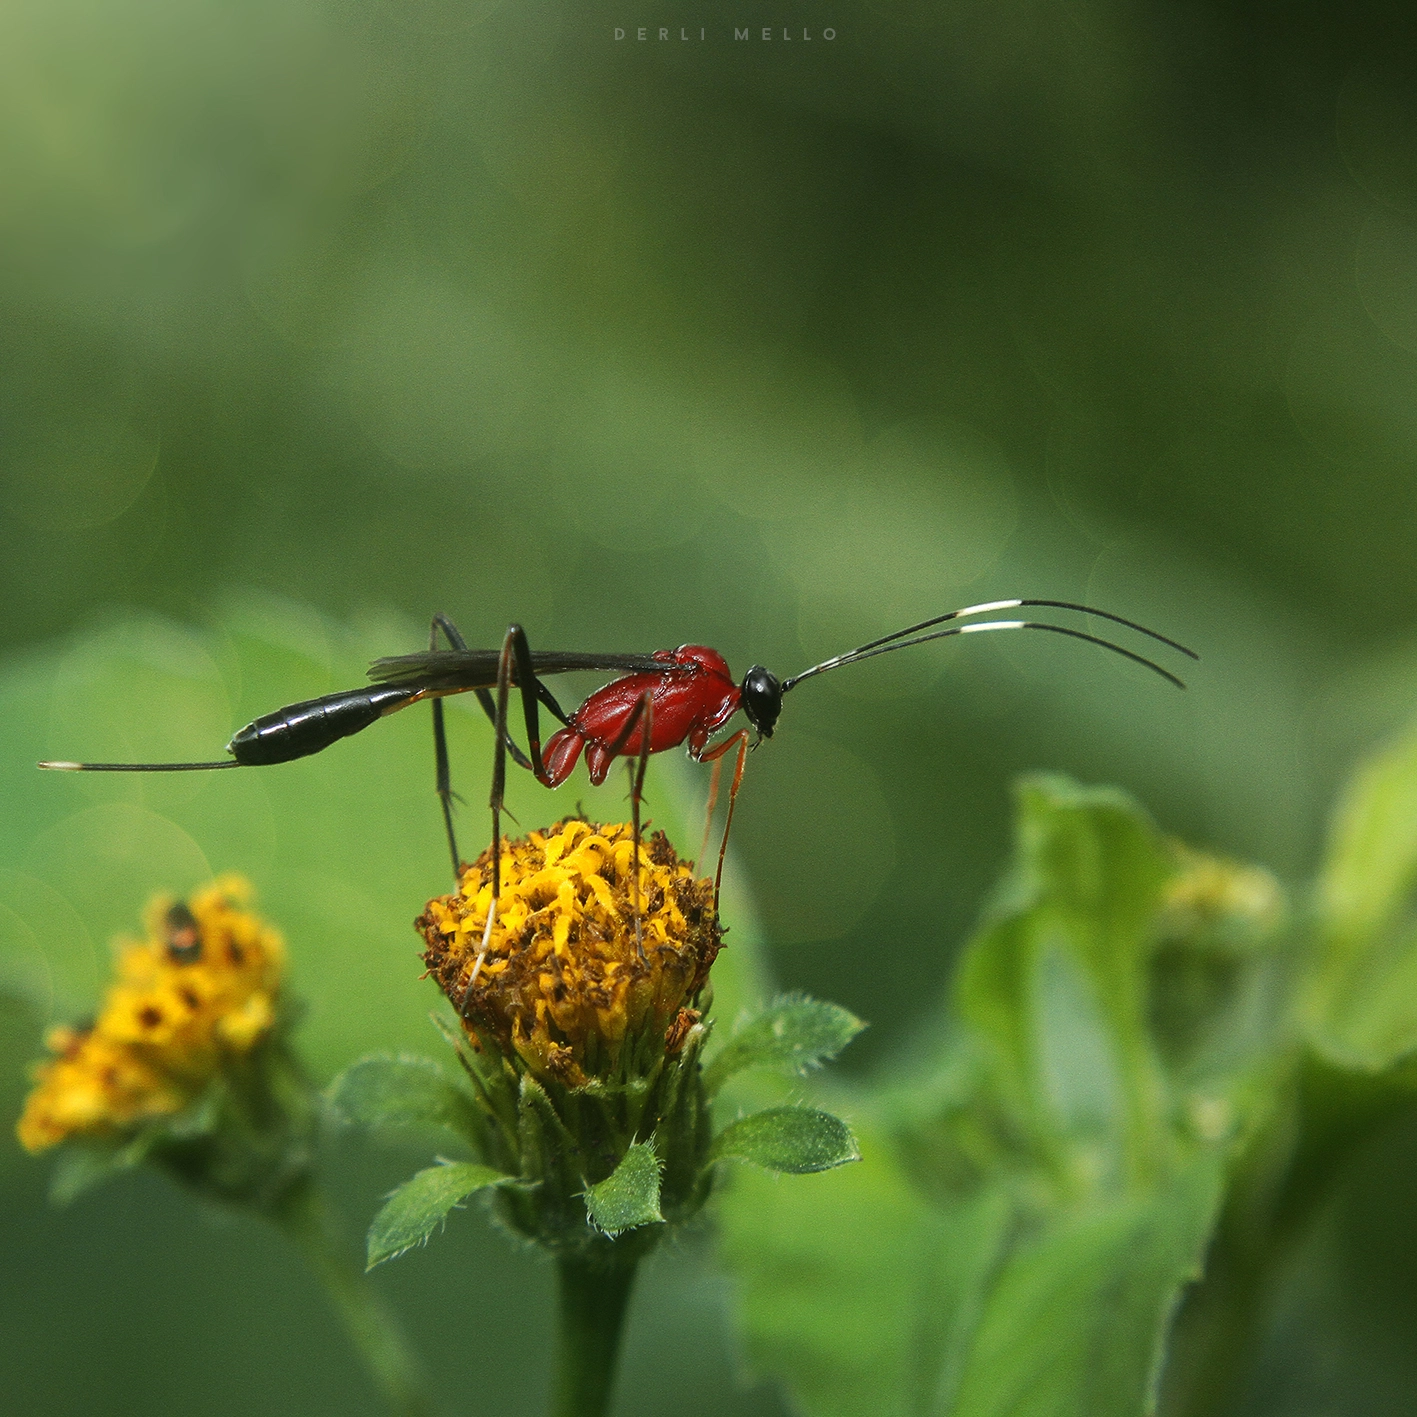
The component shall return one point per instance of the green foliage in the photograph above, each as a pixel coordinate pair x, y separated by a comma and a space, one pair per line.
407, 1091
421, 1204
797, 1140
832, 1270
556, 1140
1054, 987
1150, 1071
1073, 1322
792, 1035
1364, 1003
80, 1168
629, 1195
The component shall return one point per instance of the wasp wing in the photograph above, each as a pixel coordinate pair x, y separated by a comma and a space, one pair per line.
477, 668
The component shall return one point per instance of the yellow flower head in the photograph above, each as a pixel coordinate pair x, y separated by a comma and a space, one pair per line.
201, 987
1208, 892
564, 987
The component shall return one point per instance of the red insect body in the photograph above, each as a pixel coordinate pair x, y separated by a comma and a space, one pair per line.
692, 699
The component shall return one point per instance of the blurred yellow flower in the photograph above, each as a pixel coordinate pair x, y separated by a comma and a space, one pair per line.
1208, 890
564, 987
203, 985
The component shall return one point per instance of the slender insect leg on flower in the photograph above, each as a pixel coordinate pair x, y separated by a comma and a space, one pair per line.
644, 709
515, 649
532, 691
499, 784
714, 777
637, 796
714, 755
446, 795
443, 781
522, 653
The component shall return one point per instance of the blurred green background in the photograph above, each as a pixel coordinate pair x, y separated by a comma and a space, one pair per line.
321, 317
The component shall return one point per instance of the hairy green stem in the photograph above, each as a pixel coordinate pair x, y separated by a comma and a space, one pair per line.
592, 1300
367, 1319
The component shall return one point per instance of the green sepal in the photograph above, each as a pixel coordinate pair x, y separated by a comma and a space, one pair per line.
422, 1203
629, 1195
796, 1140
551, 1160
382, 1092
84, 1164
793, 1034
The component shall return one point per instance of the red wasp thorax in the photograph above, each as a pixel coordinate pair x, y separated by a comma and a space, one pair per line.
692, 699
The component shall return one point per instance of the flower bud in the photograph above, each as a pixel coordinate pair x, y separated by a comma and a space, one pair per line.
581, 1001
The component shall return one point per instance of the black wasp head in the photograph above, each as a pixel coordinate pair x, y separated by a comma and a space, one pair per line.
762, 699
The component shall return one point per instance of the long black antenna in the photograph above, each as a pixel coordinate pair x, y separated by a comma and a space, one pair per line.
902, 639
989, 606
140, 767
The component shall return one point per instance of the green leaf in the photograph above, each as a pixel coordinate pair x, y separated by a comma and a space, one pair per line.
1339, 1107
831, 1278
1018, 1238
629, 1196
79, 1168
1075, 1324
1372, 854
865, 1296
792, 1035
1055, 985
1364, 1000
422, 1203
797, 1140
403, 1091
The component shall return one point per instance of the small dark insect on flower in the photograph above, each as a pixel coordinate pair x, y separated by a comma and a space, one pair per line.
172, 1019
184, 939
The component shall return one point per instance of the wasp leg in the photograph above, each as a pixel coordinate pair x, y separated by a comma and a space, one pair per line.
515, 650
444, 782
495, 799
450, 631
532, 693
708, 812
643, 710
712, 755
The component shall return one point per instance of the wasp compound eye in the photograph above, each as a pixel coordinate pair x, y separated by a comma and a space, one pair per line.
762, 699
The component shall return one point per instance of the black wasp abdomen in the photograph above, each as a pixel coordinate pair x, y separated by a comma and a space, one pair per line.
299, 730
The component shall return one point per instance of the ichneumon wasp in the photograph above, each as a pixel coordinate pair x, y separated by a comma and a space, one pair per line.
661, 700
